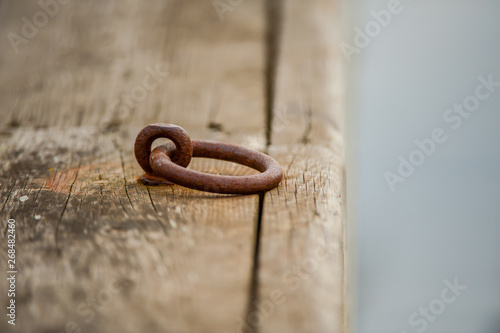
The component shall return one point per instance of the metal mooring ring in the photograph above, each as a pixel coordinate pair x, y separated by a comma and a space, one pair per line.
164, 164
181, 155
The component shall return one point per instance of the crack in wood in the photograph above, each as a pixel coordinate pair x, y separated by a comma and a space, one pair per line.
125, 182
273, 36
273, 10
56, 230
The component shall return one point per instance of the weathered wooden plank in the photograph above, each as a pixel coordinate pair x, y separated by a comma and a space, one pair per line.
96, 250
209, 70
301, 243
172, 259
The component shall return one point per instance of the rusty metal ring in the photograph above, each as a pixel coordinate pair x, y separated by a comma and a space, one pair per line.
270, 176
181, 155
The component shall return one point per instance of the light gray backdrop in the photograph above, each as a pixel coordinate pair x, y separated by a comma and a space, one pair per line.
443, 222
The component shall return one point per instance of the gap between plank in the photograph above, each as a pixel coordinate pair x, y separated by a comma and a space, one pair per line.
253, 298
273, 12
273, 35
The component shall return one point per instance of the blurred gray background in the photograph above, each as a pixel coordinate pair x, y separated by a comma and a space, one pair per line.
443, 222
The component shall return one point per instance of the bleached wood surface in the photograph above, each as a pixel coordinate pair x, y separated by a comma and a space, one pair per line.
99, 252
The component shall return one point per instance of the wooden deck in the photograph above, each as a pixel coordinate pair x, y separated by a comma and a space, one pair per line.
99, 252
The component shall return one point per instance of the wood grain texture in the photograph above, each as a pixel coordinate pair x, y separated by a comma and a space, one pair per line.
302, 224
96, 250
99, 252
